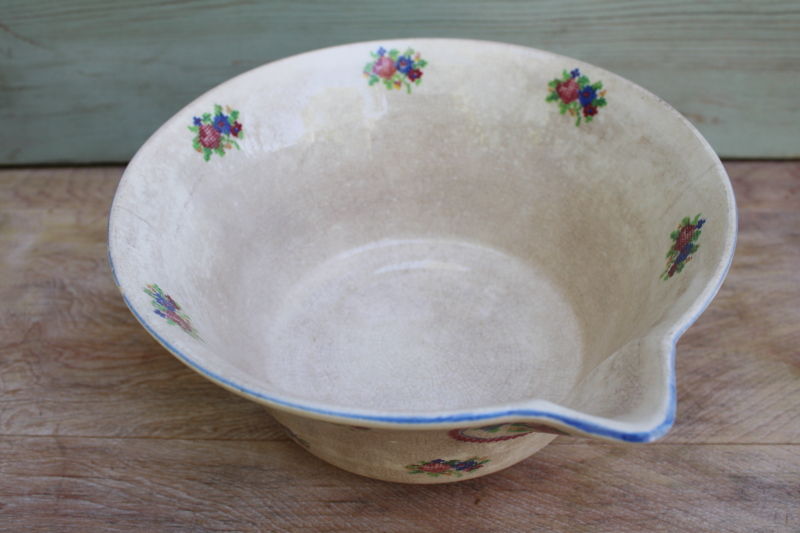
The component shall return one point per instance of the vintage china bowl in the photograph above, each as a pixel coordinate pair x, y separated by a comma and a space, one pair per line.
427, 258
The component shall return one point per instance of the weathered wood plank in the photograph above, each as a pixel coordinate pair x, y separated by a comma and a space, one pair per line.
74, 361
738, 367
126, 485
88, 81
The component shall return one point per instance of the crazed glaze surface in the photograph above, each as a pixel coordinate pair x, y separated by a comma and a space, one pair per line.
433, 260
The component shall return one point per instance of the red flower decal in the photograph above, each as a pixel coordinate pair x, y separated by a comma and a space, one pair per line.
415, 74
568, 90
684, 237
501, 432
209, 136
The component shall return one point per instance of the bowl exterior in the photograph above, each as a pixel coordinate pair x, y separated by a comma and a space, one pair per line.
412, 456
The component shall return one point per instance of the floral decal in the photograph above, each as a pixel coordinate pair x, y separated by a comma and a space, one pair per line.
684, 245
166, 307
215, 134
453, 467
500, 432
394, 69
302, 442
576, 96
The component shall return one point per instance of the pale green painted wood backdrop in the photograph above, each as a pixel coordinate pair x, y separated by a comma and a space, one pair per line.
88, 81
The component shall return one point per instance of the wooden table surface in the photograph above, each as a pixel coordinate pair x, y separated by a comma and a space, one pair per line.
101, 429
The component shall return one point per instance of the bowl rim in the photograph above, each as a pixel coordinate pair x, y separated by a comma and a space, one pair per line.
533, 410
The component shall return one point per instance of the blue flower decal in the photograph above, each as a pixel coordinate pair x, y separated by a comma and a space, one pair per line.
381, 51
469, 466
587, 95
221, 124
575, 73
198, 121
686, 251
405, 64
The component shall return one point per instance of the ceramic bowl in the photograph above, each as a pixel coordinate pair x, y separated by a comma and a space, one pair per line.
427, 258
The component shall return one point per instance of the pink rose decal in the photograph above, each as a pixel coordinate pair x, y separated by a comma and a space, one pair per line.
435, 468
384, 67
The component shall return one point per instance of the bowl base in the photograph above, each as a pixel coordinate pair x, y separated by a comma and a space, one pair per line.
424, 324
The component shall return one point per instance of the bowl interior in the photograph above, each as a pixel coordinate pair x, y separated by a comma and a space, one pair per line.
452, 244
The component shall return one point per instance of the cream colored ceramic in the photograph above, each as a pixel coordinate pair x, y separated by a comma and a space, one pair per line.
428, 257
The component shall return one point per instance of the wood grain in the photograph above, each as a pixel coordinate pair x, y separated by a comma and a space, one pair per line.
102, 430
738, 367
162, 485
87, 81
73, 359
